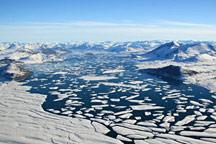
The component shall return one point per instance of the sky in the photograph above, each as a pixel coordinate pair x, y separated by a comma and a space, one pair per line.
106, 20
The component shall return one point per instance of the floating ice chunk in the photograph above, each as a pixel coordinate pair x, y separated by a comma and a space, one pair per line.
122, 138
189, 96
186, 120
105, 122
138, 117
99, 106
197, 128
97, 78
79, 112
165, 125
201, 117
202, 110
74, 103
160, 130
107, 112
113, 71
183, 98
124, 85
100, 128
60, 72
173, 91
93, 94
183, 139
213, 126
54, 111
53, 88
123, 112
160, 117
145, 107
130, 121
203, 123
177, 128
89, 115
147, 124
131, 97
176, 114
206, 100
196, 103
127, 115
67, 112
167, 141
136, 82
190, 107
147, 113
61, 97
63, 90
122, 97
79, 116
198, 113
115, 100
213, 116
211, 130
198, 134
117, 120
174, 95
140, 142
137, 101
129, 132
214, 96
213, 140
99, 101
211, 110
154, 141
133, 126
181, 110
111, 117
120, 107
135, 136
169, 119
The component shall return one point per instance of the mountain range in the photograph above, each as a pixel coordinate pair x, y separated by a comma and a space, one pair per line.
183, 52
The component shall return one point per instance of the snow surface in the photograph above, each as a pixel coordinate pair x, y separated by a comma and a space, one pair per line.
24, 121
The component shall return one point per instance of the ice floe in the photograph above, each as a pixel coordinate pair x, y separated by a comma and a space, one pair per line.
145, 107
97, 78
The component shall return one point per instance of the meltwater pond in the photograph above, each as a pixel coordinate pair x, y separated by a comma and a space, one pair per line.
133, 106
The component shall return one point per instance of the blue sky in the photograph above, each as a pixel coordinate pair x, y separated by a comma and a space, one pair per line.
105, 20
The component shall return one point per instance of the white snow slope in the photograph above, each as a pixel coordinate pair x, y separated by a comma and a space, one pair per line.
184, 52
199, 57
23, 121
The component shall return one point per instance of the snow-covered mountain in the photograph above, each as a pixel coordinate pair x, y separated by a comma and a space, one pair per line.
184, 52
14, 71
44, 52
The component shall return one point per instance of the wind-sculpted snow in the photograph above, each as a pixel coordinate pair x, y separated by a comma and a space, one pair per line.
24, 121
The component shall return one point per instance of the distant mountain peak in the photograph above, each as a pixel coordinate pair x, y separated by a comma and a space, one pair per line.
183, 52
176, 43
